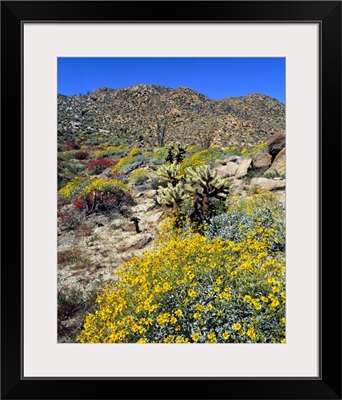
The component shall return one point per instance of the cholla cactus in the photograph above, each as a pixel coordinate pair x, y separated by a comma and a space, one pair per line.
207, 182
172, 196
169, 173
205, 185
176, 153
179, 152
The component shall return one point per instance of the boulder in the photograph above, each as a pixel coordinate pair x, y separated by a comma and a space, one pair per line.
154, 218
261, 160
219, 163
278, 166
237, 186
99, 229
268, 184
231, 158
281, 196
243, 167
134, 242
227, 170
275, 144
143, 207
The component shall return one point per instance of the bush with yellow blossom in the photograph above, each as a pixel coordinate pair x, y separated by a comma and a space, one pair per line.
195, 289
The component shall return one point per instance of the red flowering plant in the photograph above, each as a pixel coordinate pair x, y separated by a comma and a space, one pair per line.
73, 146
95, 167
103, 201
90, 195
81, 155
67, 216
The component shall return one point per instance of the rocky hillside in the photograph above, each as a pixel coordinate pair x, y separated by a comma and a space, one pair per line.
93, 245
155, 115
112, 147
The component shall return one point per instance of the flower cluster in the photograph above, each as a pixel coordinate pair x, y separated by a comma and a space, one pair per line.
81, 155
95, 167
256, 217
129, 163
204, 157
192, 289
96, 194
109, 151
73, 146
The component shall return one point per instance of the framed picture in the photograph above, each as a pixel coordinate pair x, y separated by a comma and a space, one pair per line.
44, 355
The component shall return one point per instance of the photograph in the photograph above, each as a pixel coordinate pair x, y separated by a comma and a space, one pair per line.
174, 216
171, 200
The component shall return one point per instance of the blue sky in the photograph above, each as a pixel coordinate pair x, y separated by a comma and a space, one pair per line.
216, 78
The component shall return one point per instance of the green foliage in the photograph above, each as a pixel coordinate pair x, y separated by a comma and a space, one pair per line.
110, 151
203, 157
202, 186
191, 289
129, 163
93, 195
205, 185
250, 218
172, 196
138, 176
273, 174
156, 183
155, 155
135, 151
205, 182
176, 153
75, 304
71, 190
169, 173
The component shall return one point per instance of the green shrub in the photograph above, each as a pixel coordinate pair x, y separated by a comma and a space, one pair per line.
110, 151
138, 176
129, 163
203, 157
249, 218
155, 155
191, 289
169, 173
73, 304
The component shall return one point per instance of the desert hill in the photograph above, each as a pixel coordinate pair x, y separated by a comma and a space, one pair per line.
156, 115
114, 148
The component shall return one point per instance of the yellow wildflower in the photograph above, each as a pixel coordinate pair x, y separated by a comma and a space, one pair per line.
195, 337
236, 326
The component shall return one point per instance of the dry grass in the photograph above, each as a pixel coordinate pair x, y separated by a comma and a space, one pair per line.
84, 231
66, 257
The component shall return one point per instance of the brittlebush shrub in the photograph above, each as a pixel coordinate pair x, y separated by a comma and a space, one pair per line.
129, 163
193, 289
138, 176
204, 157
250, 217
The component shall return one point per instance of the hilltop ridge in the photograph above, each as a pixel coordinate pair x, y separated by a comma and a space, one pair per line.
140, 112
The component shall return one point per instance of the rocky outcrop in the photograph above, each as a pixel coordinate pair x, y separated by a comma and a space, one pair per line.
275, 144
268, 184
227, 170
278, 166
243, 167
261, 160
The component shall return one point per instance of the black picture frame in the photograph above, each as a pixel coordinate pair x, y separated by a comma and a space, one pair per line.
328, 384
